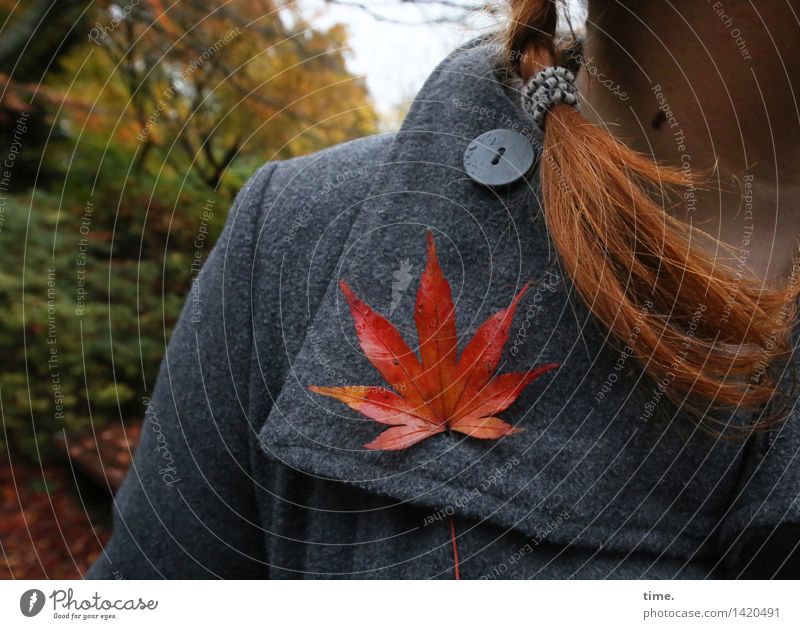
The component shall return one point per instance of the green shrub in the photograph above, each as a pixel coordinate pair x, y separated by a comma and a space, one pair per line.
89, 295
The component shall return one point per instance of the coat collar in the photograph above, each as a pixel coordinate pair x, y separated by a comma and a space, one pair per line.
583, 435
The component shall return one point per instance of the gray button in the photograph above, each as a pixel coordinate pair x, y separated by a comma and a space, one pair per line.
498, 157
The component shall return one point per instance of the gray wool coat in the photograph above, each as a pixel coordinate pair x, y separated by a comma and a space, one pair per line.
244, 473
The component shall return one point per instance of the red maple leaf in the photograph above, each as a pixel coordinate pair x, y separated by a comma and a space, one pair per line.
442, 391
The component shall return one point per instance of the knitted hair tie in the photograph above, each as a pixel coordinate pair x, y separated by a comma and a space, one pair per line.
546, 89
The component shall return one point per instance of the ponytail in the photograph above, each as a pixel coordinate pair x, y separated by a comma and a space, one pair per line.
706, 334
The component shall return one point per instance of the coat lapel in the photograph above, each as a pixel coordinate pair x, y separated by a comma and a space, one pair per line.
588, 450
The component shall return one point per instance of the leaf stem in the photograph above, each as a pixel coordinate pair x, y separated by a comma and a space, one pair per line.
457, 576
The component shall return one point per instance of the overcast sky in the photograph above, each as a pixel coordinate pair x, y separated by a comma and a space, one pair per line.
395, 56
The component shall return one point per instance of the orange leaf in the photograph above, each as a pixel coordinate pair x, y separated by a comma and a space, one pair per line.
400, 437
441, 391
436, 328
386, 349
382, 405
481, 356
484, 427
499, 393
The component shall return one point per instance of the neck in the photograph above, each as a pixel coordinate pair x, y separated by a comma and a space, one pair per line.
703, 85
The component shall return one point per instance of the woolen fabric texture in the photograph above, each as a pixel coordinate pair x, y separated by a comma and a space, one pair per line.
243, 473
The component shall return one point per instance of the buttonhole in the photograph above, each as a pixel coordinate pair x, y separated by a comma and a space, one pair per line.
498, 155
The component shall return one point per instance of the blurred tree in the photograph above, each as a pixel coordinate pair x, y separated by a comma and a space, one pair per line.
245, 79
35, 36
151, 120
39, 34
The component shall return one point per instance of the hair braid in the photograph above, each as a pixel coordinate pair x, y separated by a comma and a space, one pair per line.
707, 335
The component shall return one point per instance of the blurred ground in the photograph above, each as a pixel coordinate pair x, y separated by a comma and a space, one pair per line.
55, 519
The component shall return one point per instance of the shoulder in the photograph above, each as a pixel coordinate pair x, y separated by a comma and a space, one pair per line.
335, 174
331, 161
298, 214
293, 202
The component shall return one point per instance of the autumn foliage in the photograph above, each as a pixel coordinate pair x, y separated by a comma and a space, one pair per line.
132, 126
438, 390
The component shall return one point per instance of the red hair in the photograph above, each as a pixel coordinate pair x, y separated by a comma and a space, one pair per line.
707, 334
